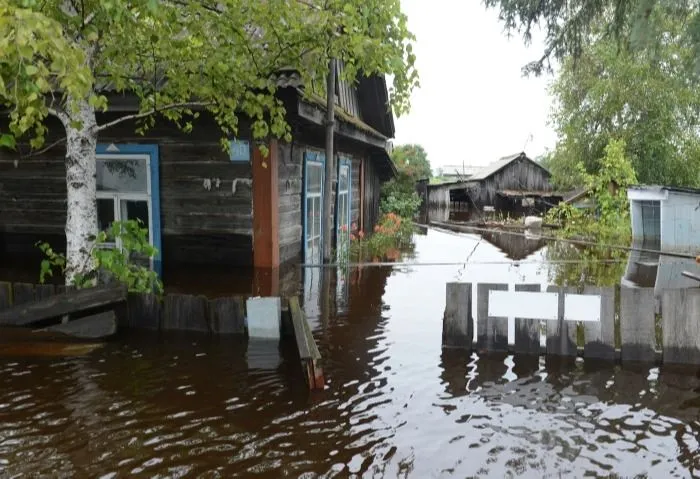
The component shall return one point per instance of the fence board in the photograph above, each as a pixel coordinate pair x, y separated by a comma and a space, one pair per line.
5, 295
43, 291
457, 322
227, 315
22, 293
492, 332
680, 310
144, 311
184, 312
527, 330
600, 337
637, 333
561, 334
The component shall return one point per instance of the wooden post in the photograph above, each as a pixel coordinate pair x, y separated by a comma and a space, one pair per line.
330, 164
266, 249
681, 326
637, 332
599, 338
457, 323
309, 354
491, 332
561, 334
527, 330
266, 281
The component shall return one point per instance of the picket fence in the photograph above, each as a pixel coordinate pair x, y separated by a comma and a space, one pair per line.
598, 322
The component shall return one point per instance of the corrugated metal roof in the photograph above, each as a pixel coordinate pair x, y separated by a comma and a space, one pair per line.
679, 189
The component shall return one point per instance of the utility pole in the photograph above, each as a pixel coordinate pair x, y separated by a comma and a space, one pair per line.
330, 164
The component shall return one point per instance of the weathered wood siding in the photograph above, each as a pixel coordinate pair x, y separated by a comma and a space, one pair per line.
291, 196
198, 224
520, 174
372, 188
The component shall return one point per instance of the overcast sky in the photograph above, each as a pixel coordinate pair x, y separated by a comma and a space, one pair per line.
474, 105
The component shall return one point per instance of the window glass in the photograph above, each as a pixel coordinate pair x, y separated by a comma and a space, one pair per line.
122, 175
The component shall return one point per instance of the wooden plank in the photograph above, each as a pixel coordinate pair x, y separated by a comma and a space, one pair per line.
309, 354
5, 295
680, 310
227, 315
561, 334
184, 312
600, 337
42, 291
97, 326
22, 293
266, 247
491, 332
457, 322
60, 305
637, 331
143, 311
527, 330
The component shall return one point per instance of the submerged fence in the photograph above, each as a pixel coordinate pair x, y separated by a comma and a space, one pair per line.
172, 312
602, 323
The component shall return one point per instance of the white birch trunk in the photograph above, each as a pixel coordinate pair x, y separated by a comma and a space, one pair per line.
81, 181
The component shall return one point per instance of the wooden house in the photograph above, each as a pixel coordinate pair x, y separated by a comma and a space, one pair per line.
203, 206
513, 183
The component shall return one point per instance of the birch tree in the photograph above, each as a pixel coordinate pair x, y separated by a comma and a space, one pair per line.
180, 58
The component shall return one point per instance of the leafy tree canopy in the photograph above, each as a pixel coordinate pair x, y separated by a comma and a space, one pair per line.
180, 55
647, 98
412, 160
569, 26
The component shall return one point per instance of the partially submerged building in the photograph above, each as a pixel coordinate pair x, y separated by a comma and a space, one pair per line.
664, 219
203, 206
514, 184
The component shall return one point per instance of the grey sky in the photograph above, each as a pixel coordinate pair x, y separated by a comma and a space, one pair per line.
474, 105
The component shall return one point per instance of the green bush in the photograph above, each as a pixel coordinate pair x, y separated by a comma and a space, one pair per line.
127, 264
399, 196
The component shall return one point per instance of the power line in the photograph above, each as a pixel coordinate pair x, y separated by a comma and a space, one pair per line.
439, 224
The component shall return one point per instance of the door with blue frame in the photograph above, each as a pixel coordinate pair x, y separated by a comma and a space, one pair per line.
313, 235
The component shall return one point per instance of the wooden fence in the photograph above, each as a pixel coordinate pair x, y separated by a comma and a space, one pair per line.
172, 312
603, 323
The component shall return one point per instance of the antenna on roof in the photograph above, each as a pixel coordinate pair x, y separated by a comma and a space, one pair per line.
528, 140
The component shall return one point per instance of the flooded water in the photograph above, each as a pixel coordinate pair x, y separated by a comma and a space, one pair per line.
395, 405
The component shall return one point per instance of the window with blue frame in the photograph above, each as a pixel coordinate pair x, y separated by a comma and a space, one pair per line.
128, 189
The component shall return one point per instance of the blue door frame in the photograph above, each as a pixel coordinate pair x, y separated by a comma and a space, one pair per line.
152, 152
343, 162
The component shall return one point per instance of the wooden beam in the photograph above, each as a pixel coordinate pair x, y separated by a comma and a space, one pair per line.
63, 304
266, 281
309, 354
266, 238
97, 326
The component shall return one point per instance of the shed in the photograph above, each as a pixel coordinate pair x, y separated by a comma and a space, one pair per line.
664, 218
204, 207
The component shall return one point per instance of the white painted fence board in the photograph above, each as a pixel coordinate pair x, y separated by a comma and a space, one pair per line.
264, 317
561, 334
523, 304
581, 307
527, 330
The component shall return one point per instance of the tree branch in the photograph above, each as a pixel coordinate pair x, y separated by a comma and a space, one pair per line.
136, 116
46, 148
60, 114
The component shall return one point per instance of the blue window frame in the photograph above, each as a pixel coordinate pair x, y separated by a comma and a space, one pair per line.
343, 204
314, 176
134, 195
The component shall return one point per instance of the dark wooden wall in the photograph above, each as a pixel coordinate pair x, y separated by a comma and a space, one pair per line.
291, 192
521, 175
372, 188
199, 225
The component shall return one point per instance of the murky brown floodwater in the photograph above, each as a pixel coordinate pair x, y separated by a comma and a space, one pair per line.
395, 403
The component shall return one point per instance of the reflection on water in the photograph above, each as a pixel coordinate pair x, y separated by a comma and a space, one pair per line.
396, 404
